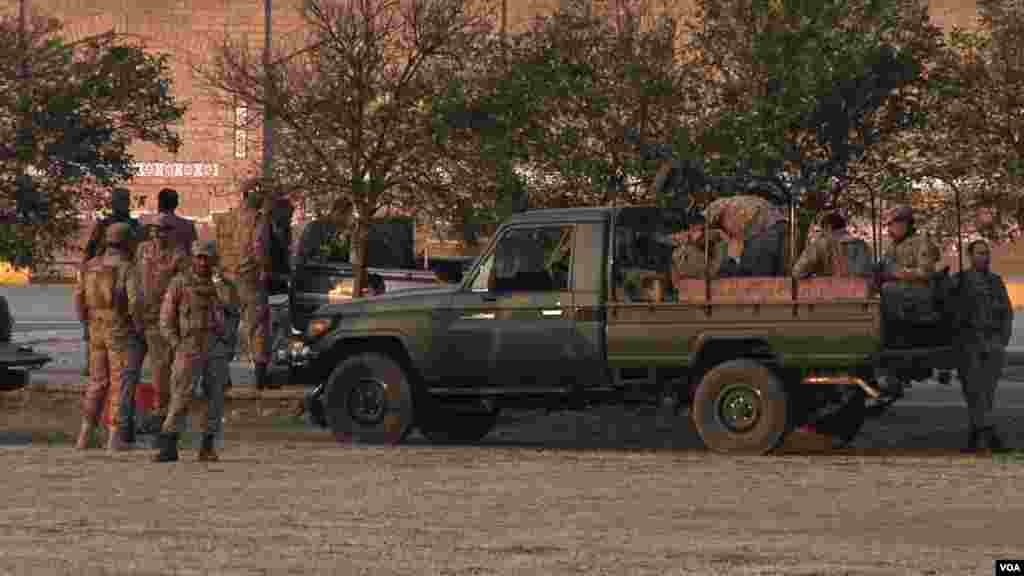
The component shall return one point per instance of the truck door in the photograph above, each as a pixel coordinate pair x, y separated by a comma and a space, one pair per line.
513, 323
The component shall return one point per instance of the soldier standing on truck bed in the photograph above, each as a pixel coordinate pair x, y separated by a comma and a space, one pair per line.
191, 320
985, 324
120, 206
834, 253
757, 235
107, 298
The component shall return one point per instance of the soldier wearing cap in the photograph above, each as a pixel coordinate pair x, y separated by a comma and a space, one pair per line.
912, 257
984, 327
191, 320
214, 377
835, 252
108, 299
757, 234
158, 260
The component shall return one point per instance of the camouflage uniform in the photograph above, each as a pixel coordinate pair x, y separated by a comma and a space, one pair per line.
915, 254
108, 298
157, 264
834, 253
252, 239
760, 225
190, 319
688, 258
120, 200
214, 376
985, 322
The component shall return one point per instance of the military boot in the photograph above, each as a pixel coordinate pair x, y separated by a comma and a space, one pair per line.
84, 433
168, 444
207, 453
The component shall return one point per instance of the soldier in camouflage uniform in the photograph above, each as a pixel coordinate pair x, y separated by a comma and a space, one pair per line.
254, 277
834, 253
688, 259
108, 299
158, 261
191, 319
912, 258
759, 226
214, 377
120, 207
985, 323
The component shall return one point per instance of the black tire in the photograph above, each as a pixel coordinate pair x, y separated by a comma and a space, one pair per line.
443, 424
369, 400
759, 417
844, 424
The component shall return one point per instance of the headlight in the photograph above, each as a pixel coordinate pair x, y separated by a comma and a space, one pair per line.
318, 327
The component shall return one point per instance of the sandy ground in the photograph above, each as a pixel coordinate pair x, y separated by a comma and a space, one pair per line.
595, 493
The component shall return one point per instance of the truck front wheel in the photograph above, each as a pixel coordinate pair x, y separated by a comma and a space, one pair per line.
741, 407
369, 400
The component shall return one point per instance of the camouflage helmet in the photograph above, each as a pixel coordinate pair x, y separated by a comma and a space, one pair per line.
118, 234
206, 248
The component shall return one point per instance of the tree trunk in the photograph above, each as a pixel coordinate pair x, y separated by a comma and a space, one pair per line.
359, 245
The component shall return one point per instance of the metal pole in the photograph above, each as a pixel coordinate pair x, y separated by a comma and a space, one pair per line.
268, 121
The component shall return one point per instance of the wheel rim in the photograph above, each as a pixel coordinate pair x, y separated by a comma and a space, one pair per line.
739, 408
367, 401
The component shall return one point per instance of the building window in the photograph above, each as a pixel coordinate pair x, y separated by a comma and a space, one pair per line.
241, 137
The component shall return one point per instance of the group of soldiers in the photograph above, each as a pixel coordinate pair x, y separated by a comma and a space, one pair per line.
154, 289
745, 236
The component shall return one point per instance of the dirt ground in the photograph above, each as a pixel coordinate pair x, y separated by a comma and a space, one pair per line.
595, 493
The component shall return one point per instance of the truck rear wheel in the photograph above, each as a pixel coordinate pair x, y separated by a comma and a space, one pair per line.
369, 400
741, 407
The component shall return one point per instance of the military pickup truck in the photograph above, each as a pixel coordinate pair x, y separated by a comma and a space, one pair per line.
571, 308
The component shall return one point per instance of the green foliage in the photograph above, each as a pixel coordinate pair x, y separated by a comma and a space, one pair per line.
554, 106
72, 110
803, 90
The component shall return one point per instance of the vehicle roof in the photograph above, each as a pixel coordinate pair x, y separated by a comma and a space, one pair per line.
636, 213
593, 214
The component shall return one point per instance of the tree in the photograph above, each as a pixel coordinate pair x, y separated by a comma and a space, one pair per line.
564, 106
68, 113
972, 150
352, 102
798, 94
